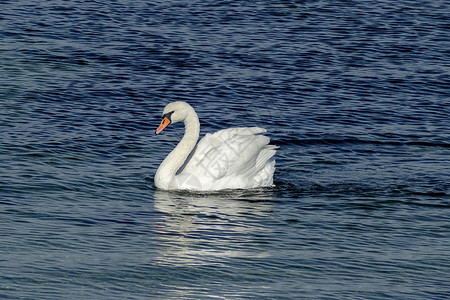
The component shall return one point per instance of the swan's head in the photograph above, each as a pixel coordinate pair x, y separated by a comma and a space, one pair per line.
174, 112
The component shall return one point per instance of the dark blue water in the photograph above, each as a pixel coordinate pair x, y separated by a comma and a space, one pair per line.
355, 94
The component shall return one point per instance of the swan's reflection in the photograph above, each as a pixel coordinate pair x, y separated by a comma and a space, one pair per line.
204, 229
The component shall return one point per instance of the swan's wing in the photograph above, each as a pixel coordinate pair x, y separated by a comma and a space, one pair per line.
234, 152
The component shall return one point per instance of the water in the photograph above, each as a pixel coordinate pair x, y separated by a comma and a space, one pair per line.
356, 94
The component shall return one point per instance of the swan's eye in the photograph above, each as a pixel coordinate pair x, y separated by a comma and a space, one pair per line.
168, 116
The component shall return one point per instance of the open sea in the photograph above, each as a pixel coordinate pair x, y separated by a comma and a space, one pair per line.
356, 94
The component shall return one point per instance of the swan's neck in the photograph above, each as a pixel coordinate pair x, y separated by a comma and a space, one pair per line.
172, 163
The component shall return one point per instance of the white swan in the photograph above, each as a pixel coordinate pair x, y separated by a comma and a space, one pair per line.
234, 158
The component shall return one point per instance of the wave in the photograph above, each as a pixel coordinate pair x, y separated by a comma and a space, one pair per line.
355, 141
364, 189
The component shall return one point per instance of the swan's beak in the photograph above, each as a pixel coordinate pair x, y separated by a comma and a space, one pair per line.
164, 123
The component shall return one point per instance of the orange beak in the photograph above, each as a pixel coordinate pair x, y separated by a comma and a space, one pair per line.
164, 123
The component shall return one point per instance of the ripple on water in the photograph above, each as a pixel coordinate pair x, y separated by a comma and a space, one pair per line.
355, 96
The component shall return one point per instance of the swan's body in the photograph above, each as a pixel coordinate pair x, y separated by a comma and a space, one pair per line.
235, 158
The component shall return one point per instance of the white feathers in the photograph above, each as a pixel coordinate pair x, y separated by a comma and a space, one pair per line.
234, 158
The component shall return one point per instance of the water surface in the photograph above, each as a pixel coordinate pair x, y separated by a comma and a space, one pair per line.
355, 94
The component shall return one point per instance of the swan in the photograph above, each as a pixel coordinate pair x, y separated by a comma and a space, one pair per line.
234, 158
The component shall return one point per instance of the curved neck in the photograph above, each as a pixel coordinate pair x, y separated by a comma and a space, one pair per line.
172, 163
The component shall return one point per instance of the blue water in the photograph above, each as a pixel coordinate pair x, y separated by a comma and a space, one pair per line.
355, 94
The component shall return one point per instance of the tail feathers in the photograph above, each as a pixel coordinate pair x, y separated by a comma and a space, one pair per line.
265, 158
271, 147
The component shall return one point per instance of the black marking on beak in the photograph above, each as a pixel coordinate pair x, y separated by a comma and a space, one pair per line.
168, 116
